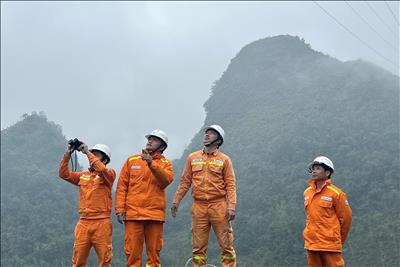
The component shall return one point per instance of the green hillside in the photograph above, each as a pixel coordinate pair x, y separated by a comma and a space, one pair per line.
38, 209
282, 104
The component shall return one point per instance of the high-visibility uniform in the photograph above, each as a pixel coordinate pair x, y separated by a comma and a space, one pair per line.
141, 196
328, 223
94, 227
213, 183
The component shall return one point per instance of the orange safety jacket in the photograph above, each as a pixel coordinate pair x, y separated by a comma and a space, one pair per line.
141, 188
328, 217
212, 177
94, 187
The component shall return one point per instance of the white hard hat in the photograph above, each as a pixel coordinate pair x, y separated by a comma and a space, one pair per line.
103, 148
323, 161
216, 128
160, 134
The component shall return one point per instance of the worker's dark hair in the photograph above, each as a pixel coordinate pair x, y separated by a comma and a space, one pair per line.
103, 156
220, 139
163, 144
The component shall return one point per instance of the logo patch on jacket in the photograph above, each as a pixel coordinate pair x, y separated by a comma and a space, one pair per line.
136, 167
346, 202
198, 162
306, 197
326, 198
217, 162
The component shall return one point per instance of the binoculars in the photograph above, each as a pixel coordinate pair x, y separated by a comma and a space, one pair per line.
75, 143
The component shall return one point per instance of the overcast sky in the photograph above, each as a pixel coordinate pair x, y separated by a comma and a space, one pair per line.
111, 72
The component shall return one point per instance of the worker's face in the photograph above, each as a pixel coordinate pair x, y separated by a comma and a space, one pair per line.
319, 173
100, 156
210, 136
153, 143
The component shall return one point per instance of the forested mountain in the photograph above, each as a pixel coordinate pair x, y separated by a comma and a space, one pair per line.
281, 104
38, 209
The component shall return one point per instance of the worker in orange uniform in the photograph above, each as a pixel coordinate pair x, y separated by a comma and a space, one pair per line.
210, 173
140, 200
328, 217
94, 227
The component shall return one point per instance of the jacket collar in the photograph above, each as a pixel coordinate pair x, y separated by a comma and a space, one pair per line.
214, 153
312, 183
155, 155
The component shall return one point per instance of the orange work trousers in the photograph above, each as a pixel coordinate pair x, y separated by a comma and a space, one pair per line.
324, 259
205, 216
96, 233
137, 232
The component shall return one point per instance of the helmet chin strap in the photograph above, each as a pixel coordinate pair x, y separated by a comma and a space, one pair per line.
157, 149
213, 142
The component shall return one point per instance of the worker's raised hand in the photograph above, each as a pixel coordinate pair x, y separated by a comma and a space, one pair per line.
230, 214
174, 210
69, 150
147, 157
83, 148
121, 217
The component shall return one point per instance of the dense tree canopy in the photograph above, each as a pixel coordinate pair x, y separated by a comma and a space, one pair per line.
281, 104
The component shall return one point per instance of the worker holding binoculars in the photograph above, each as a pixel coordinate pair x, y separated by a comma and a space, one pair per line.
94, 227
